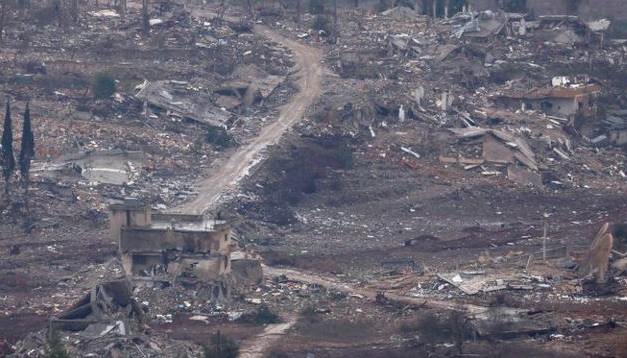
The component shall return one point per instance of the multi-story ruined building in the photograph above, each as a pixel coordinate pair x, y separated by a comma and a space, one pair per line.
169, 248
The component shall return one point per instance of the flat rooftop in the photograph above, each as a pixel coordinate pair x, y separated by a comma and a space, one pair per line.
198, 226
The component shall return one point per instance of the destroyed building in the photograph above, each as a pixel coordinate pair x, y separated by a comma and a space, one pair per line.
168, 248
588, 9
564, 97
108, 306
183, 100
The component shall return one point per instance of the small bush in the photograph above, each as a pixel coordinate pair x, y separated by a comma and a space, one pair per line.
618, 30
344, 155
265, 316
261, 317
316, 6
620, 230
103, 86
54, 348
220, 137
515, 5
434, 329
221, 347
321, 22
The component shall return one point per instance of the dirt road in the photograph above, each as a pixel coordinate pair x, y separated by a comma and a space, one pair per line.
257, 347
228, 176
370, 294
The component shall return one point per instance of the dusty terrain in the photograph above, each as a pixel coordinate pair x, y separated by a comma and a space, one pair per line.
238, 165
366, 244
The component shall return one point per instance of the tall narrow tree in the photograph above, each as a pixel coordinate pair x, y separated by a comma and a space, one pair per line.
3, 10
122, 9
7, 159
145, 17
27, 151
298, 11
336, 31
74, 11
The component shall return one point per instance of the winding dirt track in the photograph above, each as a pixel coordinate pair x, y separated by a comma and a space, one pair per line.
308, 68
309, 72
256, 347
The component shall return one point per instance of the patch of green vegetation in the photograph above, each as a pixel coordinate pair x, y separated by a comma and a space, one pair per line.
618, 30
265, 316
221, 347
321, 22
103, 85
219, 137
54, 347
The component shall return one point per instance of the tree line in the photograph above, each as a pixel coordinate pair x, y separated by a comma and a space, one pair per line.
27, 149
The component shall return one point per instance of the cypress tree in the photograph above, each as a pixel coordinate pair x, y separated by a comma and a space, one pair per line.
27, 151
7, 160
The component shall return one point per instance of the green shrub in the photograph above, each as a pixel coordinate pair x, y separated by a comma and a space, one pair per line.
54, 348
103, 86
220, 137
321, 23
515, 5
265, 316
316, 6
221, 347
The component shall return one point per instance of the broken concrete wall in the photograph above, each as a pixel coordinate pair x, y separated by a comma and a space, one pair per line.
107, 302
121, 215
187, 218
206, 269
495, 151
618, 136
561, 106
523, 176
247, 272
155, 240
556, 100
597, 258
144, 264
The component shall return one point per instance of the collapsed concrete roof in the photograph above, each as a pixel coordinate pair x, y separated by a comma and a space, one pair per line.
487, 23
107, 302
248, 83
183, 100
518, 147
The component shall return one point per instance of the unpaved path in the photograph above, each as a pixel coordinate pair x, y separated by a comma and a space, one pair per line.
230, 173
257, 347
371, 294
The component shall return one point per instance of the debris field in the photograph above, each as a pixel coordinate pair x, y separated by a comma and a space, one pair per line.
457, 187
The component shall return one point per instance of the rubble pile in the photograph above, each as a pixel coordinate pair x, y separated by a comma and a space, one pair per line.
447, 75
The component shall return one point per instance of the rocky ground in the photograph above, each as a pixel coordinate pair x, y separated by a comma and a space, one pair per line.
375, 233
